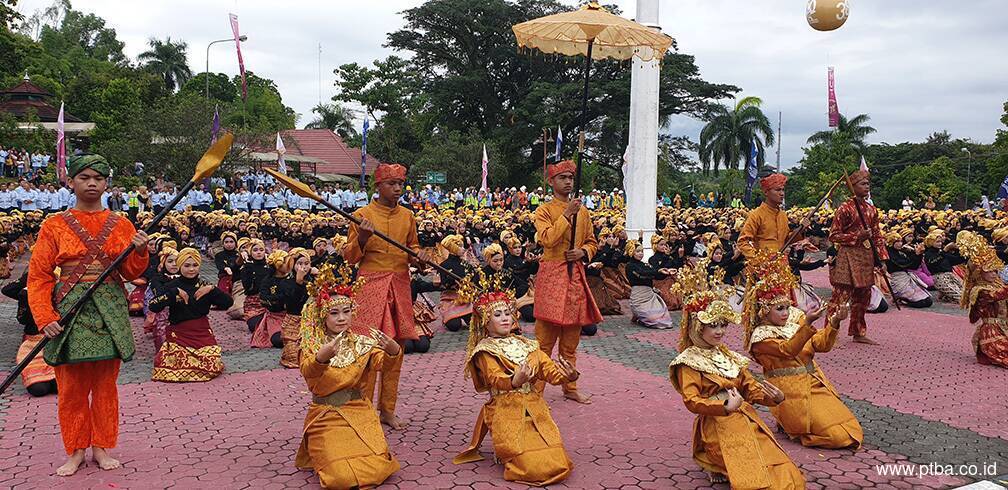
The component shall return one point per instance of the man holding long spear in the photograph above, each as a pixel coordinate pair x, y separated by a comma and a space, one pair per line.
386, 303
855, 233
87, 352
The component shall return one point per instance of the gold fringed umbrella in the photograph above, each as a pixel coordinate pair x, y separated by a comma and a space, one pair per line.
594, 33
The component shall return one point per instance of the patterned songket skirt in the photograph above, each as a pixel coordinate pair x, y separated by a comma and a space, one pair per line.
190, 353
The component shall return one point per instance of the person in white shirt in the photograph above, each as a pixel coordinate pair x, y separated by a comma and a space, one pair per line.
335, 197
272, 199
241, 200
348, 199
257, 199
908, 204
8, 197
26, 197
64, 197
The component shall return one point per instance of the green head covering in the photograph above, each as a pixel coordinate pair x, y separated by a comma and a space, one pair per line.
76, 164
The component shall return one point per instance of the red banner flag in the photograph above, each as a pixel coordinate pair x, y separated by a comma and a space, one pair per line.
241, 63
834, 110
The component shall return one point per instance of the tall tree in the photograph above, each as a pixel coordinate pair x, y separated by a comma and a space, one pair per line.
336, 118
168, 59
727, 139
462, 72
852, 133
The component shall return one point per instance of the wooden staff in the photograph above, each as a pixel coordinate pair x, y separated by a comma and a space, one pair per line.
793, 236
207, 165
302, 189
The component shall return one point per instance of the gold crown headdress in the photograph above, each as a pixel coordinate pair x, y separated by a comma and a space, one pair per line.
981, 258
486, 293
770, 283
332, 287
705, 301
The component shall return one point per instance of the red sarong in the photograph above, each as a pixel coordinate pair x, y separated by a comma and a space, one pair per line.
563, 299
37, 371
385, 303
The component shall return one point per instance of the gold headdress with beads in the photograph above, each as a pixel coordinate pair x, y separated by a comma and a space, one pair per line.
705, 301
770, 283
331, 288
486, 293
981, 257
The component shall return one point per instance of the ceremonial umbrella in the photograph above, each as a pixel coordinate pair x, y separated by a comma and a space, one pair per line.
594, 33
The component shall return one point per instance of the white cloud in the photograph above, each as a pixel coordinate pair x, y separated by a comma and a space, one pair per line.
915, 67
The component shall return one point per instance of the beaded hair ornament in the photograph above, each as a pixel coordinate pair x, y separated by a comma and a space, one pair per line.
770, 282
487, 294
705, 297
332, 287
981, 257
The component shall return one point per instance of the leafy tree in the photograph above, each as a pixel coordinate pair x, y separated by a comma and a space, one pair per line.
263, 111
728, 138
461, 72
8, 15
853, 131
221, 87
168, 59
937, 180
119, 102
336, 118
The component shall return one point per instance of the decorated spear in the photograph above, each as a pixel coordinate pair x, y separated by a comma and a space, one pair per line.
793, 236
207, 165
302, 189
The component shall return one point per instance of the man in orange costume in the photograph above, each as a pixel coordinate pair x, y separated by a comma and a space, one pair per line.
563, 302
385, 302
86, 353
766, 227
852, 274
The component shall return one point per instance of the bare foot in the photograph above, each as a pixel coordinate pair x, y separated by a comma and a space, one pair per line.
717, 478
391, 420
72, 463
578, 397
864, 340
103, 459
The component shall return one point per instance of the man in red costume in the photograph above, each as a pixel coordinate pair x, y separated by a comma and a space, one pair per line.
853, 272
384, 301
563, 302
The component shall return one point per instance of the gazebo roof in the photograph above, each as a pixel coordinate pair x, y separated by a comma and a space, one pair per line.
27, 97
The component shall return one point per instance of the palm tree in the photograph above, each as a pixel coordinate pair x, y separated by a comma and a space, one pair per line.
852, 132
168, 59
727, 139
334, 117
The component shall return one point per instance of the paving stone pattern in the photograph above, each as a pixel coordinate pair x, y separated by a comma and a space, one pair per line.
920, 397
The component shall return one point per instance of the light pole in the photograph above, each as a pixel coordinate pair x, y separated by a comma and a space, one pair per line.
206, 74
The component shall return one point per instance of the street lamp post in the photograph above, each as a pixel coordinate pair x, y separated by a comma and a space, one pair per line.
206, 74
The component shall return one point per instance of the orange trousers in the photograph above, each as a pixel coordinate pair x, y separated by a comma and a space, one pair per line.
388, 391
88, 422
547, 335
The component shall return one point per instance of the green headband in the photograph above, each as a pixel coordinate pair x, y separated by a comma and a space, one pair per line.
77, 164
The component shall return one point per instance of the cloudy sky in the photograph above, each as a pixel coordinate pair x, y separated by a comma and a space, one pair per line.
915, 66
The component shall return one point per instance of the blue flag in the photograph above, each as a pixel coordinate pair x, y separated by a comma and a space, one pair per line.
363, 152
1003, 191
752, 170
559, 144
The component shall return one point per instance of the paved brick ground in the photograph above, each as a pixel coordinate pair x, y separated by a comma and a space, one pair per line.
919, 396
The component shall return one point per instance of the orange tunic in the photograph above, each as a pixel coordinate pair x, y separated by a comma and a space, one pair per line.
525, 437
812, 411
386, 302
57, 244
736, 444
765, 229
344, 444
564, 298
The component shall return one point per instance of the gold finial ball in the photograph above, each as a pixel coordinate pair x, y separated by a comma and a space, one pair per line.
827, 15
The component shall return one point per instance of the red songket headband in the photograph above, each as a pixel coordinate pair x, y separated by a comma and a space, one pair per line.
560, 168
772, 181
389, 171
